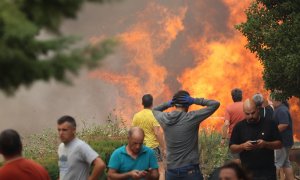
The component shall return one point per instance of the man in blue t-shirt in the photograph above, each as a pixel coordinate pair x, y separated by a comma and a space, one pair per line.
133, 161
284, 122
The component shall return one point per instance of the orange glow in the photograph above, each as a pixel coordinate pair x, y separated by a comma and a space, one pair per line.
220, 61
142, 44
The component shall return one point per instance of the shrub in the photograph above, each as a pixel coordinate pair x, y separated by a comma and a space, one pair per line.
212, 153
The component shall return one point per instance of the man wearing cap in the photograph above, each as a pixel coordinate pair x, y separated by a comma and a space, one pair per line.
181, 134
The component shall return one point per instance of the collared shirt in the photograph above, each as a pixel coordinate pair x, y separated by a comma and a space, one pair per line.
121, 161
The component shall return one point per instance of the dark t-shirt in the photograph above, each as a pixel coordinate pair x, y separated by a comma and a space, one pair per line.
257, 159
282, 116
266, 112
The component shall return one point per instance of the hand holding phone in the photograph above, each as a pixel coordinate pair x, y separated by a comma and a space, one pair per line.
254, 142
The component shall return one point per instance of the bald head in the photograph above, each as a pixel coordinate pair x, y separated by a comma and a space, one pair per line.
135, 139
136, 132
251, 111
249, 103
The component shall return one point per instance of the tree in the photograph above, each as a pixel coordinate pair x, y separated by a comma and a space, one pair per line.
272, 30
24, 58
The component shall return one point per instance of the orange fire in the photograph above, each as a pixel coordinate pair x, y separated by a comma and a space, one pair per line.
220, 61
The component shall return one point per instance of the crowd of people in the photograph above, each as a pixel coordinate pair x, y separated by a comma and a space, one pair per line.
164, 145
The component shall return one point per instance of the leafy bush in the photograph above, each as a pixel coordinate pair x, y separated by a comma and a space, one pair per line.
104, 139
212, 153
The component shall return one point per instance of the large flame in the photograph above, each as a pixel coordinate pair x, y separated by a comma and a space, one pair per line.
143, 44
220, 60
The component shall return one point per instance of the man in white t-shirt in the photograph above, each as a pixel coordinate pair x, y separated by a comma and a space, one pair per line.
76, 156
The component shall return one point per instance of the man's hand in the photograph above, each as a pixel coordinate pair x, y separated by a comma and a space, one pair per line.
260, 143
135, 174
247, 146
185, 100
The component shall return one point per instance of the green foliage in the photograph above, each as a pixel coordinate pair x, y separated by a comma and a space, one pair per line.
24, 58
212, 153
272, 30
104, 139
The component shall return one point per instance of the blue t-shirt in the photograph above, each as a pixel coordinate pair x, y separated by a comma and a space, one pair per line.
282, 116
121, 161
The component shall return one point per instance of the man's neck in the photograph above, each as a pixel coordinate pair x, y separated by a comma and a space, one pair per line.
181, 109
130, 153
8, 159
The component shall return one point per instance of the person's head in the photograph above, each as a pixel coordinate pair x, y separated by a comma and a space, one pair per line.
258, 99
66, 127
277, 100
251, 111
232, 171
10, 143
147, 101
179, 104
135, 139
237, 95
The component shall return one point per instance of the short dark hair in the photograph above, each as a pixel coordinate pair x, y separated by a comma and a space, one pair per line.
178, 94
237, 95
68, 119
10, 143
147, 100
239, 171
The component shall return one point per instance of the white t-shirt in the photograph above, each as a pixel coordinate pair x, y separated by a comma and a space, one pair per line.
75, 159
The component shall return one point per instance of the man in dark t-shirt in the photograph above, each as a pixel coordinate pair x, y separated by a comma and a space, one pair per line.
255, 138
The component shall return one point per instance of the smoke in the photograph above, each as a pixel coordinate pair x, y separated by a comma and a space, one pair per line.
164, 46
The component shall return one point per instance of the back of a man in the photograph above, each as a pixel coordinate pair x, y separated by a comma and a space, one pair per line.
23, 169
181, 134
153, 135
15, 166
145, 120
233, 113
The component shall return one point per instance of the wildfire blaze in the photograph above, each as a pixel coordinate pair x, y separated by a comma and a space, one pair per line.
218, 59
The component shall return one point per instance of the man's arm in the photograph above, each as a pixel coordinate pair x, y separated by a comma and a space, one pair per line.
153, 175
282, 127
162, 106
211, 107
98, 169
225, 129
237, 148
269, 144
160, 138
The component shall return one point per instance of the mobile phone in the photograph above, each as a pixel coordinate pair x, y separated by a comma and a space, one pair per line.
253, 142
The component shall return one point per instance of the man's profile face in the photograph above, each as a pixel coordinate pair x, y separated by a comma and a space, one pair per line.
228, 174
251, 114
66, 132
135, 143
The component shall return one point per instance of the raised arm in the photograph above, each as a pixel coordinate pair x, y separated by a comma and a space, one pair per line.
211, 107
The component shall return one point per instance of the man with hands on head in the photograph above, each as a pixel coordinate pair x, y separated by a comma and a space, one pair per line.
134, 160
181, 134
255, 139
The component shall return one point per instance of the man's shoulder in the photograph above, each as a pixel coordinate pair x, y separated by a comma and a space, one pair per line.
241, 123
120, 150
234, 105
